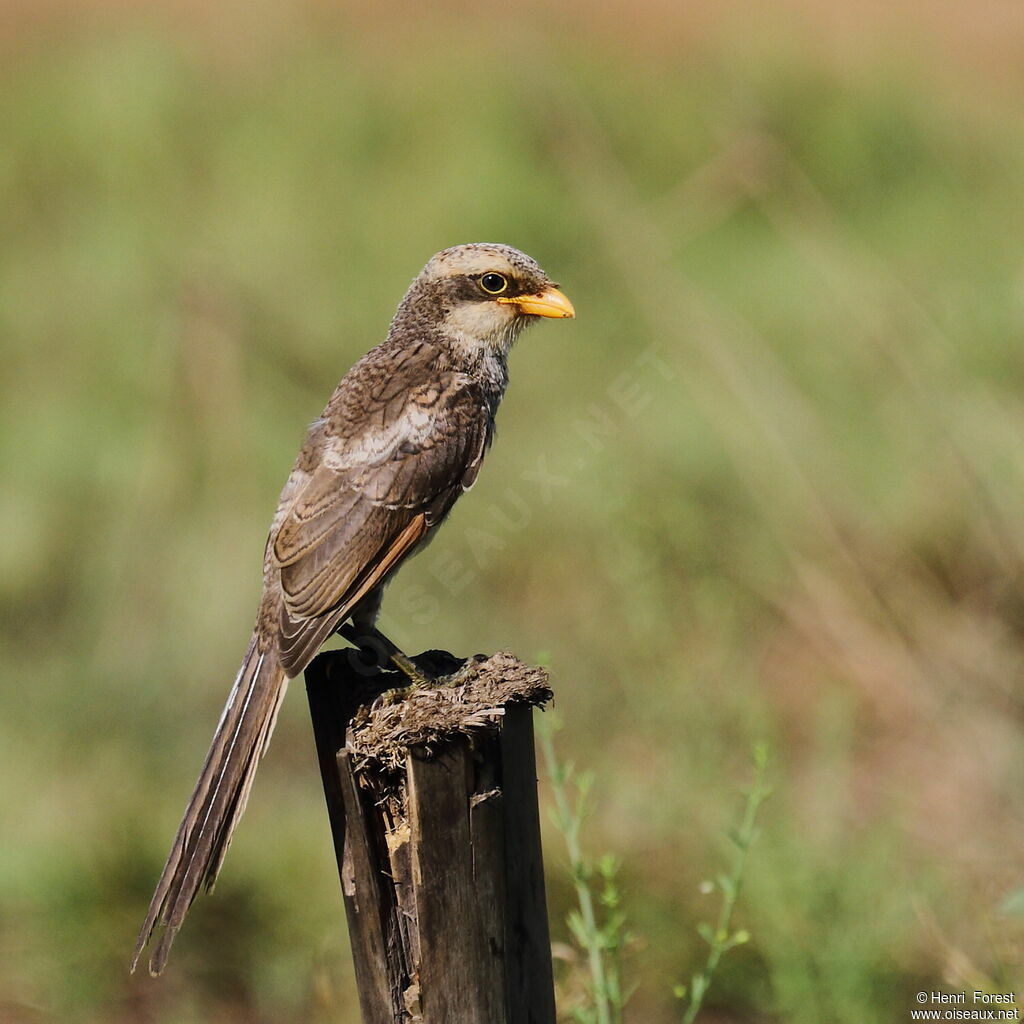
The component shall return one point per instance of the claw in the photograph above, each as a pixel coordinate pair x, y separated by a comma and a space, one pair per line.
389, 697
461, 674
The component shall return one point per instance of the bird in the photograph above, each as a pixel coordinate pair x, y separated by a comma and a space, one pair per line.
400, 440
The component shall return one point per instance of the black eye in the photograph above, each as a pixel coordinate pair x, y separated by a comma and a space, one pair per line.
493, 284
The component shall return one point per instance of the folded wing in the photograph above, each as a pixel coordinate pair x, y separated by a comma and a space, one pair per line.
374, 496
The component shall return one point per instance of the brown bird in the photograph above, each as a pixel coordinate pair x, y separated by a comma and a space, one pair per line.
401, 438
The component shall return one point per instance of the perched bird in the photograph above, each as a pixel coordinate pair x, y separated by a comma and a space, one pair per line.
401, 438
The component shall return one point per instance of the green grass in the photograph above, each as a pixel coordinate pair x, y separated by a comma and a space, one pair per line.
800, 304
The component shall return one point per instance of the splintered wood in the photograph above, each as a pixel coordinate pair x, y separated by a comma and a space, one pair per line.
433, 804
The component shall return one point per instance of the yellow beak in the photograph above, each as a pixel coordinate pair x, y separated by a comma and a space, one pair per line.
550, 302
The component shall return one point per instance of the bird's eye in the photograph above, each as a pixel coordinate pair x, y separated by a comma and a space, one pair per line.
493, 284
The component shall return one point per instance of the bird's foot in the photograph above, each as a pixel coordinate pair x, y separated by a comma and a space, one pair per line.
405, 665
462, 673
420, 680
391, 697
377, 650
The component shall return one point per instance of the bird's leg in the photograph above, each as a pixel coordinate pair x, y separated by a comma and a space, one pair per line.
370, 636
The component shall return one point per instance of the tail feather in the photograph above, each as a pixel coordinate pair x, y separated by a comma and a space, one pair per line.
218, 800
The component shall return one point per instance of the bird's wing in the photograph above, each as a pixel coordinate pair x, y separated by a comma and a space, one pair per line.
371, 499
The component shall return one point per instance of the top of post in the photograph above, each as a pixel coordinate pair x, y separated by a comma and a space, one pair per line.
427, 719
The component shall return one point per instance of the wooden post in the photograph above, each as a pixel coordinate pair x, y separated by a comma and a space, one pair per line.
433, 807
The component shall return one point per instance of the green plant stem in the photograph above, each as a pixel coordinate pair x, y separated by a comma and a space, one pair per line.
570, 824
721, 940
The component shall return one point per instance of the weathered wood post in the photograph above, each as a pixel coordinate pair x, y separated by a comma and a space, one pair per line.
433, 806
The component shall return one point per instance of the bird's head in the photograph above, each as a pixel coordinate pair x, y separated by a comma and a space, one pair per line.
482, 295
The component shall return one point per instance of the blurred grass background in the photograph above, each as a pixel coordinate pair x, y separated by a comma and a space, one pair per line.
766, 485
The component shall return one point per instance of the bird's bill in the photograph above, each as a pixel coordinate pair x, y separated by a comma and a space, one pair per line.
550, 302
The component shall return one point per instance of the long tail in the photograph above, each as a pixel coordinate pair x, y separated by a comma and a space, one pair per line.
219, 798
